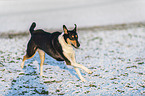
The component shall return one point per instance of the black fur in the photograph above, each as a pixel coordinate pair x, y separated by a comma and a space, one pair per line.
32, 27
48, 42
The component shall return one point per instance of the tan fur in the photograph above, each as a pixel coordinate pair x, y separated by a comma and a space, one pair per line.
42, 57
25, 58
65, 31
72, 42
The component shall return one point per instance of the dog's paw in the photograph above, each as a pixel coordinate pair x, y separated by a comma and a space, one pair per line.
22, 65
90, 72
41, 74
83, 80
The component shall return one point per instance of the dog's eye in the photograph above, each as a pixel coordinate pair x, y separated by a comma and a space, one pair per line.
72, 36
76, 36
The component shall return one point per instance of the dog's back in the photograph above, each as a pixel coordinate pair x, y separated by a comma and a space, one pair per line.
45, 41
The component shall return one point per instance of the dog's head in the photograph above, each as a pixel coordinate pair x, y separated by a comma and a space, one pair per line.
71, 36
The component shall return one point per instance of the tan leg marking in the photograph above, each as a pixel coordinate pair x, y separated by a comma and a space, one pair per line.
25, 58
42, 57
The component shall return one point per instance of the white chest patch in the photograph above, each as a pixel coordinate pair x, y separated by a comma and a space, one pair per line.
65, 47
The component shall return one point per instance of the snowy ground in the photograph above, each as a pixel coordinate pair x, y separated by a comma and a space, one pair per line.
17, 15
116, 58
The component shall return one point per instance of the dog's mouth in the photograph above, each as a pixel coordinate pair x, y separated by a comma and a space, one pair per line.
77, 46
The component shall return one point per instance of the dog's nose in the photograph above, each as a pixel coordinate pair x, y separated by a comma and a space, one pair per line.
78, 45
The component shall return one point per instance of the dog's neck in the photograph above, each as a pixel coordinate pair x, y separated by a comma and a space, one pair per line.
66, 47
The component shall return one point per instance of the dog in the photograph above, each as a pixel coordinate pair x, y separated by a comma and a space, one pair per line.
58, 45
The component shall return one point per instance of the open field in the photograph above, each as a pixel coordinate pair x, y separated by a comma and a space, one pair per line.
112, 38
116, 57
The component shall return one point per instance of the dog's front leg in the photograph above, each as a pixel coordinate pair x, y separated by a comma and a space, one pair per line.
79, 74
69, 61
79, 65
82, 67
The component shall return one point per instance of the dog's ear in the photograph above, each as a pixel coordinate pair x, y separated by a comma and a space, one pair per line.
65, 29
75, 29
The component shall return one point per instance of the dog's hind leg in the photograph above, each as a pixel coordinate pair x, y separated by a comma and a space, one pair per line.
42, 57
31, 50
24, 58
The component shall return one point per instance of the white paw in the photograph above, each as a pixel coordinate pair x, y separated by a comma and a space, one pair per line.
83, 80
89, 72
22, 65
41, 74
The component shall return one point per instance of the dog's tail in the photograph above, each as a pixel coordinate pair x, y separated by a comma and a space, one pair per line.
32, 27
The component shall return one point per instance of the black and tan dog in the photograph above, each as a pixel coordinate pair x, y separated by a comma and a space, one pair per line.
58, 45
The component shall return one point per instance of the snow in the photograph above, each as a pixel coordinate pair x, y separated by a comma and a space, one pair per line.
17, 15
116, 58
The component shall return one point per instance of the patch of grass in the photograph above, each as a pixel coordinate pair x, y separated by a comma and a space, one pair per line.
125, 74
113, 78
18, 58
1, 52
141, 85
77, 85
128, 86
23, 92
42, 92
3, 80
14, 81
93, 68
44, 77
114, 82
140, 63
91, 85
2, 70
61, 94
32, 73
97, 75
131, 67
120, 91
54, 81
78, 92
9, 71
140, 73
57, 90
87, 57
22, 74
12, 61
106, 71
87, 92
122, 59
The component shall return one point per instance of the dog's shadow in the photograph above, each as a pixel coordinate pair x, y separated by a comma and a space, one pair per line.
29, 81
48, 61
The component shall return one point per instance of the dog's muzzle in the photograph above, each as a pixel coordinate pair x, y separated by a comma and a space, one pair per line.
77, 45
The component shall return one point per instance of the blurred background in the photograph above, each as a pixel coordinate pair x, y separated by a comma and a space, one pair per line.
17, 15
